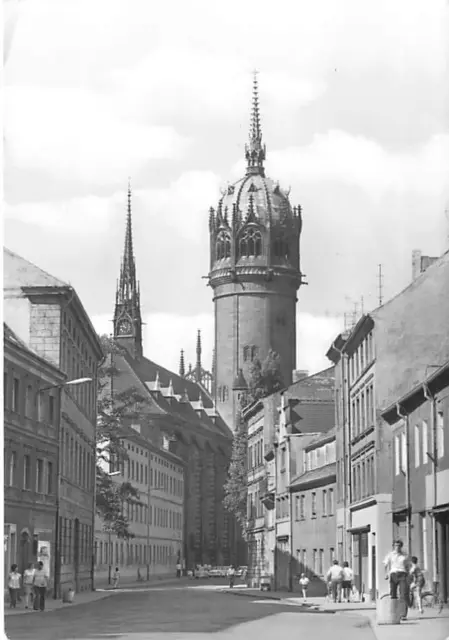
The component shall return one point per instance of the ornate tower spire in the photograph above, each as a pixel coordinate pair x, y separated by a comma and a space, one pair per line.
255, 151
182, 367
127, 316
198, 367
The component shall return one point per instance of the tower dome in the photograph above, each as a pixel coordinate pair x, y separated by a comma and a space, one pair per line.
254, 271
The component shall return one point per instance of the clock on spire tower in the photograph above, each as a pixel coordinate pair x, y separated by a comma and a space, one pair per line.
127, 316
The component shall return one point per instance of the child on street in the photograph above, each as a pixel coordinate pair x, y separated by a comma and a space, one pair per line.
304, 582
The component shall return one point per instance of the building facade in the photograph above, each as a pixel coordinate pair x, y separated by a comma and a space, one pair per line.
254, 418
31, 427
254, 273
47, 315
313, 493
381, 358
157, 524
420, 427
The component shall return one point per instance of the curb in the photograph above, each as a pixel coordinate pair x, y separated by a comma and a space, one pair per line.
302, 607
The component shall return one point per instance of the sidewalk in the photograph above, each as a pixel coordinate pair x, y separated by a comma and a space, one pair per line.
102, 590
430, 625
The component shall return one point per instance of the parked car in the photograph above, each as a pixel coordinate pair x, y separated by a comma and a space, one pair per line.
202, 572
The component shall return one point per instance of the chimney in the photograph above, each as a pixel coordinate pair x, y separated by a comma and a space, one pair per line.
416, 263
299, 374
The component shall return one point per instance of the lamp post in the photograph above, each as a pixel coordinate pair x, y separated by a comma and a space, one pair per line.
60, 386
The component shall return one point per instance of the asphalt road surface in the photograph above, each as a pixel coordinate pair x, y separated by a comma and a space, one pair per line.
183, 613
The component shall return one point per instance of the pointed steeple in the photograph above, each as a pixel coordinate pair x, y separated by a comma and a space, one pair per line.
198, 367
127, 316
255, 150
182, 367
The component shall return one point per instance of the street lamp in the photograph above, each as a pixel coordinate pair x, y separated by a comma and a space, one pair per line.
60, 386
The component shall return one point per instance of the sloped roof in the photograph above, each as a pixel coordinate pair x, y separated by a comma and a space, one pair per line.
18, 272
9, 335
313, 416
137, 373
328, 471
325, 437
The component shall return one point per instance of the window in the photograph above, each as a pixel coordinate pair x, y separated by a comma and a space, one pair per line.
39, 475
282, 459
324, 503
313, 505
417, 446
321, 562
15, 395
314, 560
397, 455
27, 472
440, 435
425, 441
49, 478
302, 510
29, 401
12, 468
51, 409
223, 246
281, 247
331, 555
331, 502
250, 243
403, 453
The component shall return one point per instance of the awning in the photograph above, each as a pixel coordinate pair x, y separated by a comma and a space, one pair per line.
444, 508
356, 530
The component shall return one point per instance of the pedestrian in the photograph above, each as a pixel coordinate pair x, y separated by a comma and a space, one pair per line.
13, 586
178, 569
346, 584
417, 582
116, 578
231, 574
335, 578
28, 576
397, 566
40, 583
304, 583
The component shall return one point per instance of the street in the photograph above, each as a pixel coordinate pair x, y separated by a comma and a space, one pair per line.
178, 612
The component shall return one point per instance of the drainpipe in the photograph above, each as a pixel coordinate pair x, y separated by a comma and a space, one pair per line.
431, 399
405, 417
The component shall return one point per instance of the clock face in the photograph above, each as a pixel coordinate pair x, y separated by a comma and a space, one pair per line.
125, 328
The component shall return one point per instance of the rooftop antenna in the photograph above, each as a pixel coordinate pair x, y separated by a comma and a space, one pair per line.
380, 280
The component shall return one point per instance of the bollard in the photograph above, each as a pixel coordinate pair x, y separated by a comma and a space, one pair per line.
389, 611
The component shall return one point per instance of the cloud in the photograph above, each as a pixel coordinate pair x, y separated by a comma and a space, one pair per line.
338, 156
166, 334
75, 134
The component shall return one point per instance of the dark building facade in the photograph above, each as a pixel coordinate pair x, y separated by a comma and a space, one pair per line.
254, 273
420, 427
31, 428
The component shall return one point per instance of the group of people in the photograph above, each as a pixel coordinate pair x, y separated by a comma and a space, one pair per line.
34, 583
338, 579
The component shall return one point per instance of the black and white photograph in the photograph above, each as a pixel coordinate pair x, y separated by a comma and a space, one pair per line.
225, 319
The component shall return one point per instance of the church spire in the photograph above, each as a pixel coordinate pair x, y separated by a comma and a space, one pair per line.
127, 317
182, 367
255, 150
198, 367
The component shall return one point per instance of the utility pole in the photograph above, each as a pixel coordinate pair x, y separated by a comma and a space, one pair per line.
380, 279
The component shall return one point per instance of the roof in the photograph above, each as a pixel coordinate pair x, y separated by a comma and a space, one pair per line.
324, 438
315, 476
313, 416
18, 272
11, 337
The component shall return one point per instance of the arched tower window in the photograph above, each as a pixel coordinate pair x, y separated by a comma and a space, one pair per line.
223, 246
250, 243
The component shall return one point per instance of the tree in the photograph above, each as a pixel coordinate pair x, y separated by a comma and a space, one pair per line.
114, 413
265, 378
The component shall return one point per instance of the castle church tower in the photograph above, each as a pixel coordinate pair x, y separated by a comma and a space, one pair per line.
127, 317
254, 273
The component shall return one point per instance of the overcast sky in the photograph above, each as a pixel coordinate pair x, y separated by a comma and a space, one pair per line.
354, 116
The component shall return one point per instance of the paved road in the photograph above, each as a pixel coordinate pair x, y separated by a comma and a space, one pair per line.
182, 613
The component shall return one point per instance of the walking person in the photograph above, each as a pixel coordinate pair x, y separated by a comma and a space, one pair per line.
13, 586
397, 566
346, 585
304, 583
335, 578
231, 574
178, 569
417, 583
40, 583
116, 578
28, 577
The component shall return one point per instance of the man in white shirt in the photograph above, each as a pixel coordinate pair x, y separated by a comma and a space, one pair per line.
397, 566
335, 578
